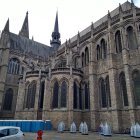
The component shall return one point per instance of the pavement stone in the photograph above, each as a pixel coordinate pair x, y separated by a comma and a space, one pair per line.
54, 135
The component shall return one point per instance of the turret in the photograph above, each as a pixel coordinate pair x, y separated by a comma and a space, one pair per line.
55, 42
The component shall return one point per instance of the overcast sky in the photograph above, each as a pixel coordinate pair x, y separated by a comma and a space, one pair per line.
73, 15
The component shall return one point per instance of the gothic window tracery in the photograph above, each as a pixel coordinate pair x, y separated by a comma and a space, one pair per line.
123, 89
107, 85
62, 64
98, 52
55, 95
75, 96
31, 95
118, 42
83, 60
41, 96
7, 105
86, 56
136, 83
13, 66
104, 49
63, 94
80, 97
132, 43
103, 93
87, 101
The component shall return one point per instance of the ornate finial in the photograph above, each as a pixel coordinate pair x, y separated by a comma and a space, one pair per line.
120, 8
66, 43
109, 16
92, 28
78, 38
69, 42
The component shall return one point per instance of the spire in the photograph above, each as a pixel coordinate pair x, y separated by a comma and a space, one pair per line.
56, 28
25, 27
6, 28
55, 42
132, 3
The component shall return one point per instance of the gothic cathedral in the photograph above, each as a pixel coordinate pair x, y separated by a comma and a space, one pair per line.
93, 77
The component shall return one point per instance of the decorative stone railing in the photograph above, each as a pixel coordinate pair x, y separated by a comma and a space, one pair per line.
36, 74
69, 71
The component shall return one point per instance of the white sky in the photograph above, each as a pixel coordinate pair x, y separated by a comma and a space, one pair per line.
73, 15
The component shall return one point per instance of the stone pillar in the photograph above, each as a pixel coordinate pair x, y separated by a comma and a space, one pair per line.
47, 100
128, 79
95, 118
36, 98
70, 102
3, 68
20, 100
113, 83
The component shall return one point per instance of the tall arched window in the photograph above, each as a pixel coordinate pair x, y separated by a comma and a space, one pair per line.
31, 95
7, 105
132, 43
83, 60
87, 102
61, 64
80, 97
41, 96
123, 89
118, 42
75, 96
103, 93
55, 95
108, 91
86, 56
136, 82
63, 94
13, 66
104, 49
98, 52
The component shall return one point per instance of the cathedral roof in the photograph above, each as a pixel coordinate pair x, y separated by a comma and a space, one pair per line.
125, 7
27, 46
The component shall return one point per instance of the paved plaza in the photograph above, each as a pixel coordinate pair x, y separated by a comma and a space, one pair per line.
53, 135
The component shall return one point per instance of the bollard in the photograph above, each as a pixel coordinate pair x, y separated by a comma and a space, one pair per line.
39, 134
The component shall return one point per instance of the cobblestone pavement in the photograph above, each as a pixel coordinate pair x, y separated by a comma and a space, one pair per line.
53, 135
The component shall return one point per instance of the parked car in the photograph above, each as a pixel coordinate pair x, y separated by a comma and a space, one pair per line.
11, 133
